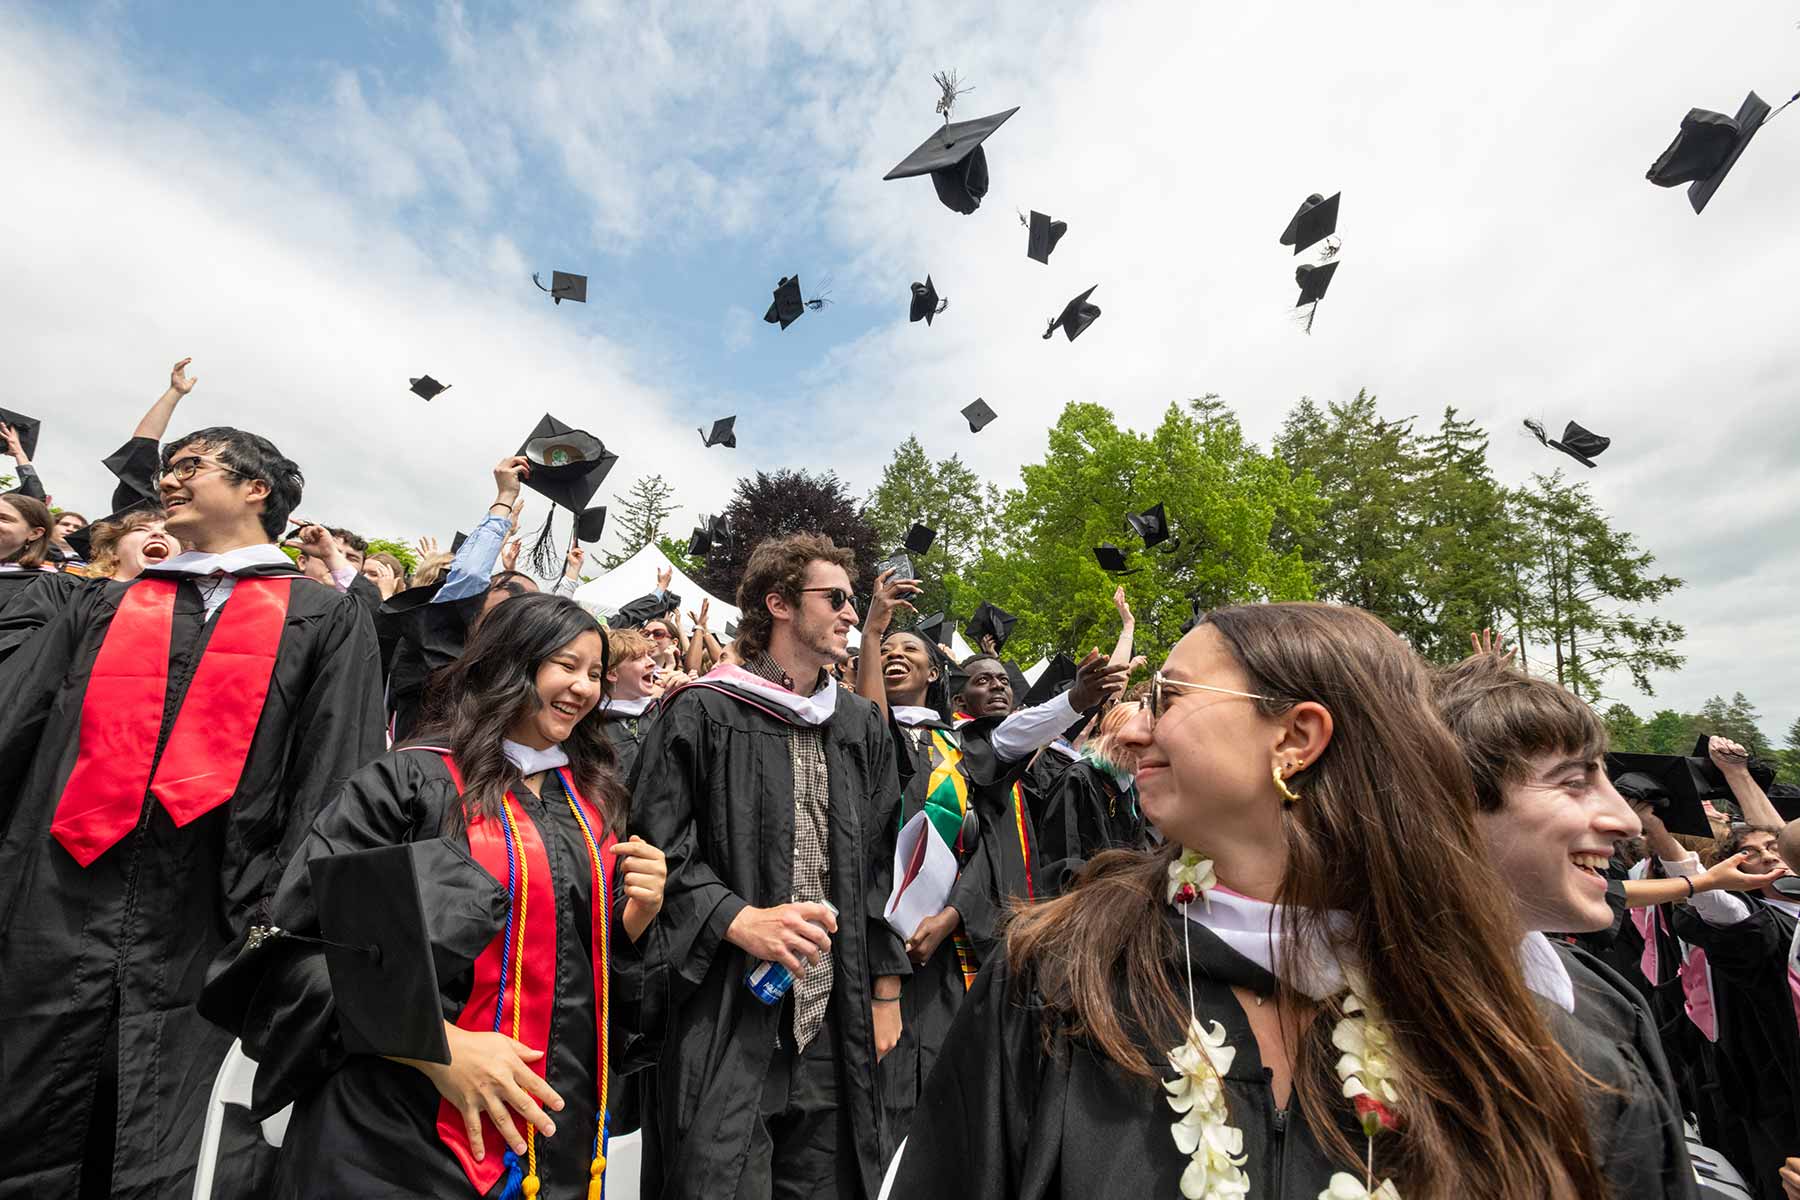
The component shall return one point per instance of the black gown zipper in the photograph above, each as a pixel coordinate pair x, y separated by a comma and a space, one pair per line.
1278, 1123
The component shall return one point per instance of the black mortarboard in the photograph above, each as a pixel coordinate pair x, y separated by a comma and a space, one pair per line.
383, 977
699, 542
26, 427
1667, 782
1576, 442
724, 433
1076, 316
954, 159
1316, 220
919, 538
564, 286
1152, 525
787, 307
81, 542
1313, 280
988, 619
979, 415
1786, 799
457, 541
719, 530
934, 629
568, 466
137, 465
591, 524
1706, 148
1044, 235
1112, 559
1058, 676
1760, 771
427, 388
925, 302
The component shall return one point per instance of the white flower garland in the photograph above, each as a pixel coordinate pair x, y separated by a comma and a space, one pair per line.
1204, 1132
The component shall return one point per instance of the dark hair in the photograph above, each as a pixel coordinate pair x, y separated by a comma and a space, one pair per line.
937, 692
35, 513
358, 544
1504, 718
250, 456
1733, 841
69, 512
1488, 1082
471, 703
779, 566
508, 582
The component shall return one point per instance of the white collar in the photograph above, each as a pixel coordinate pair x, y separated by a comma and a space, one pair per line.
530, 761
816, 709
627, 708
1785, 906
1063, 747
196, 562
1254, 929
914, 714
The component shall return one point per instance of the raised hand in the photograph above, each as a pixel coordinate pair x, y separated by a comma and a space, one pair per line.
179, 383
1123, 605
14, 448
890, 594
509, 472
427, 547
1489, 642
572, 564
509, 554
664, 577
1726, 754
1096, 681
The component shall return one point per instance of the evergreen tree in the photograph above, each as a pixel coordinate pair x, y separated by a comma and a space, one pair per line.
639, 518
1736, 719
946, 496
1464, 542
1625, 730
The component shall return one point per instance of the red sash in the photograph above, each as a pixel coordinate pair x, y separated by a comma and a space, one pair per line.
116, 765
515, 976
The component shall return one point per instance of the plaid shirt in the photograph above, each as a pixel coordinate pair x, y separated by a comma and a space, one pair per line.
812, 847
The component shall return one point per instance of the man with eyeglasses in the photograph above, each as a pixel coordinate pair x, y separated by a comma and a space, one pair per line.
164, 745
774, 793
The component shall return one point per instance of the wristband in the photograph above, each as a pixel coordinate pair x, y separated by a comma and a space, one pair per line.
1689, 881
887, 999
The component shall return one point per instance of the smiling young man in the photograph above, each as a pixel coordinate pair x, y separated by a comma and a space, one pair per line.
631, 690
773, 792
165, 744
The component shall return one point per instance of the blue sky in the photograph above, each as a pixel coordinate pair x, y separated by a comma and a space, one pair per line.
318, 201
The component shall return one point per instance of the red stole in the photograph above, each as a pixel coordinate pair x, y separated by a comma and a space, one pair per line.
116, 765
514, 991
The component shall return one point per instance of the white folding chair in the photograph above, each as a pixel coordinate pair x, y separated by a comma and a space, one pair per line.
232, 1085
887, 1181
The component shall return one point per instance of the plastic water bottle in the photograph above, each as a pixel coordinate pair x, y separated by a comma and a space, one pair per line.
770, 981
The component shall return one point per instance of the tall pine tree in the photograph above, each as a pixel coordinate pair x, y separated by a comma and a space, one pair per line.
638, 520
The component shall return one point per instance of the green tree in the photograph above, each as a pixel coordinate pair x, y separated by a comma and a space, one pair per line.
1670, 732
1790, 756
1736, 719
946, 496
640, 516
408, 555
1463, 540
1577, 575
676, 552
1625, 730
1224, 498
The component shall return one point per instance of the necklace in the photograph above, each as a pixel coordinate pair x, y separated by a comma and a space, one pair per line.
1204, 1132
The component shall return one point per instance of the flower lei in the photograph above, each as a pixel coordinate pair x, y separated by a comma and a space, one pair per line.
1204, 1132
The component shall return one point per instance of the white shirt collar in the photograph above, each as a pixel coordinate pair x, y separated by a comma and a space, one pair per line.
628, 708
530, 761
1254, 929
196, 562
915, 714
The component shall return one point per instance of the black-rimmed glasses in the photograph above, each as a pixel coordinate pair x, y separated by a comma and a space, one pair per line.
836, 595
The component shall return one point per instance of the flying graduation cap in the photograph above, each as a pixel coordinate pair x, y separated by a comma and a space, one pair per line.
568, 465
1112, 560
788, 306
925, 301
1153, 526
1076, 316
1313, 279
1315, 221
919, 538
1057, 677
427, 388
990, 619
26, 427
1706, 148
979, 414
1577, 443
564, 286
724, 433
1043, 237
713, 533
954, 159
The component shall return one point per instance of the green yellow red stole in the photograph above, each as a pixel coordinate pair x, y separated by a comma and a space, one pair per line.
515, 976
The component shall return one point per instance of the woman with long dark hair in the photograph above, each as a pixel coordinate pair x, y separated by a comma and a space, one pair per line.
1322, 926
24, 544
512, 806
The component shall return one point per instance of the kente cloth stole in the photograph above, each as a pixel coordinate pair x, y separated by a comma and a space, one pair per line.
946, 800
514, 990
116, 764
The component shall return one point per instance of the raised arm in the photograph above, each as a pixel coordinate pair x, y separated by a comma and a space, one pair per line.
474, 563
1121, 654
155, 423
1733, 762
890, 594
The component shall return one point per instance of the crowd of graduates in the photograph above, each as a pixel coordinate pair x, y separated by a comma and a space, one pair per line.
484, 881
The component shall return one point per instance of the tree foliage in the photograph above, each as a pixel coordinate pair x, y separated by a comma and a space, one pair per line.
639, 518
946, 496
408, 555
776, 503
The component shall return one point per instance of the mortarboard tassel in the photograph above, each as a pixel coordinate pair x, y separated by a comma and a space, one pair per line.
947, 81
544, 559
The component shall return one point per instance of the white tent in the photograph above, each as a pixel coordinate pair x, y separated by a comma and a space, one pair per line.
636, 576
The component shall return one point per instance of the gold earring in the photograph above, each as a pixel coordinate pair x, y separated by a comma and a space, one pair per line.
1288, 794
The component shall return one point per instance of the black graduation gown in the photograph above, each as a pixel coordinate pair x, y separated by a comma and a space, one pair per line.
1004, 873
627, 733
123, 944
1758, 1052
932, 996
365, 1126
30, 608
1004, 1117
1088, 812
418, 638
714, 789
15, 584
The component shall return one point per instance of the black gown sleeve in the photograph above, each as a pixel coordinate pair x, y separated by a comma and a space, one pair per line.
136, 465
972, 1133
1741, 952
668, 807
30, 483
30, 680
33, 608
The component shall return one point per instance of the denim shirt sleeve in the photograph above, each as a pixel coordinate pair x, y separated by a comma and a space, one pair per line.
474, 563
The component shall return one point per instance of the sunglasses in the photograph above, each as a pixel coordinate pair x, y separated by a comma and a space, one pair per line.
836, 595
1159, 700
660, 635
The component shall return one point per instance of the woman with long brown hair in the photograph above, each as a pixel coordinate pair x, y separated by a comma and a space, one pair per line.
513, 813
1313, 990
